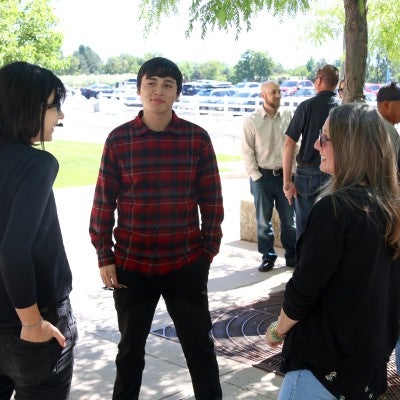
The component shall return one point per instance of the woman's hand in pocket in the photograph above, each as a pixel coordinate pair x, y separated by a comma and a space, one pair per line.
43, 332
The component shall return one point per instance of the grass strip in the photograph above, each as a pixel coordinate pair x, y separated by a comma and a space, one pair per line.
80, 161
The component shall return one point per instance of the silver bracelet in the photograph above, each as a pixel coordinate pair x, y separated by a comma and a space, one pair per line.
34, 325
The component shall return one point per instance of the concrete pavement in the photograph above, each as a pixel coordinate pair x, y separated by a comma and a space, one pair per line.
234, 279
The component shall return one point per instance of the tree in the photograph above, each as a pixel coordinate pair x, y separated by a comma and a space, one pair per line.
225, 14
121, 64
328, 18
89, 60
377, 69
70, 66
187, 69
384, 38
356, 45
28, 32
253, 66
215, 70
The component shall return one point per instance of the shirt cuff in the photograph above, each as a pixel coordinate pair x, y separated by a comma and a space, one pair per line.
255, 176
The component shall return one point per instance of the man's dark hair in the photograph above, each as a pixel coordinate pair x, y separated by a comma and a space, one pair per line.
389, 92
162, 67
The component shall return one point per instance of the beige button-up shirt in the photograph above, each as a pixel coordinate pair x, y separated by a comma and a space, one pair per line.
262, 141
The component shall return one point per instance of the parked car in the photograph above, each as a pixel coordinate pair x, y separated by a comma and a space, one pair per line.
372, 88
192, 88
189, 89
290, 87
210, 98
305, 92
96, 90
248, 85
245, 101
204, 99
123, 89
300, 95
131, 98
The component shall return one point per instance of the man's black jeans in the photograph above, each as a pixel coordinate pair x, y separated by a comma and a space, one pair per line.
185, 295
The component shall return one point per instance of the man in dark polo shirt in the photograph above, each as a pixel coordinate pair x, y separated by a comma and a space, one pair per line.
307, 122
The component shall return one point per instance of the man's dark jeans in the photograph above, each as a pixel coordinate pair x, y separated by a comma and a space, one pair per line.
38, 371
308, 181
185, 295
268, 192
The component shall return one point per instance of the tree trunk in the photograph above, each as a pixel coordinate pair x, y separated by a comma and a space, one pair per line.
356, 43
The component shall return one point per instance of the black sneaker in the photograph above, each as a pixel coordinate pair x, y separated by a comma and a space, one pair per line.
266, 265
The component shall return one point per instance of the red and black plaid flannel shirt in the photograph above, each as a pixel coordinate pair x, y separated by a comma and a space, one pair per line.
166, 190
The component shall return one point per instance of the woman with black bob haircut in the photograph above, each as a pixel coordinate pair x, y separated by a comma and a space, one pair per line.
37, 328
340, 317
24, 91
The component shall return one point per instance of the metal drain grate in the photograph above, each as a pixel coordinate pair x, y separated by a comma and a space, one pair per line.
238, 333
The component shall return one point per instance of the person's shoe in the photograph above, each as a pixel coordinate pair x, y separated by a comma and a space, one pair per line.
266, 265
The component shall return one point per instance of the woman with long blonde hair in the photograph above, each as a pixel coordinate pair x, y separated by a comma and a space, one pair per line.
340, 317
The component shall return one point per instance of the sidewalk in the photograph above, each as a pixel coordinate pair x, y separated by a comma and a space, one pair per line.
234, 279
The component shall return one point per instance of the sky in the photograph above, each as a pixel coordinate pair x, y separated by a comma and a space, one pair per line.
112, 28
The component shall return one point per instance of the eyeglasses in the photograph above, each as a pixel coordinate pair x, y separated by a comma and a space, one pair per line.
56, 105
318, 76
323, 139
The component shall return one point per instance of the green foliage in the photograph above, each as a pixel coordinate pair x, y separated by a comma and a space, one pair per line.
89, 60
215, 70
220, 14
187, 68
28, 32
383, 34
253, 66
122, 64
377, 69
327, 17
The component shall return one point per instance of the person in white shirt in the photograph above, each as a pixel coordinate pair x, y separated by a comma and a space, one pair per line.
262, 143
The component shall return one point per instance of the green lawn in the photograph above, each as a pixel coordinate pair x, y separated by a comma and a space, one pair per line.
79, 162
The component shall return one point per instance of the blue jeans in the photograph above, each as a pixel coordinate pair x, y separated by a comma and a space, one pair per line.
185, 295
303, 385
308, 181
397, 353
38, 371
267, 192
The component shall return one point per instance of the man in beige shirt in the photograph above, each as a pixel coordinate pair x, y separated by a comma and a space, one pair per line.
262, 143
388, 104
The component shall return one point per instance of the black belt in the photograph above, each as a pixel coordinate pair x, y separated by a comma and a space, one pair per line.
274, 172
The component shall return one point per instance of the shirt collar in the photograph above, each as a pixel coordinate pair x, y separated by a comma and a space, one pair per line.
141, 128
264, 113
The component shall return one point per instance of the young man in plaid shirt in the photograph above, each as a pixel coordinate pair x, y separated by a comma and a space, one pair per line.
160, 174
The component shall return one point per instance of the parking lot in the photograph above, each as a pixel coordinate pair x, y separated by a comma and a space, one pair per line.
92, 120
